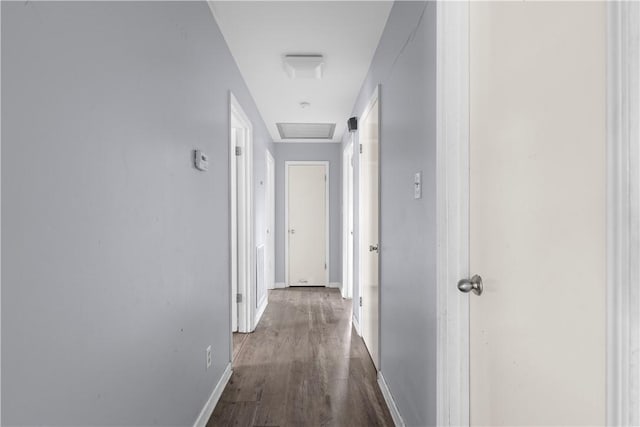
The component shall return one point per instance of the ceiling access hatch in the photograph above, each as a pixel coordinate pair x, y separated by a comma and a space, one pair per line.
306, 130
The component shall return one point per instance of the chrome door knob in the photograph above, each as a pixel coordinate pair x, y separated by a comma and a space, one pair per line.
468, 285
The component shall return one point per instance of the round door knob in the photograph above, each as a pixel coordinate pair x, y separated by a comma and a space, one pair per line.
471, 285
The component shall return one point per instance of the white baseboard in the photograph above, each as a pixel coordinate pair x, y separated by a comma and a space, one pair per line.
356, 325
208, 408
337, 285
280, 285
260, 312
391, 404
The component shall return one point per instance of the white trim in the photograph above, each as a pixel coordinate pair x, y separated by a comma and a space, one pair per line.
347, 220
280, 285
391, 404
259, 312
210, 405
356, 325
288, 163
375, 97
335, 285
623, 207
270, 237
246, 311
452, 177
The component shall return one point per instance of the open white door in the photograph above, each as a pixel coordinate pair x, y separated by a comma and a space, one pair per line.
369, 208
307, 219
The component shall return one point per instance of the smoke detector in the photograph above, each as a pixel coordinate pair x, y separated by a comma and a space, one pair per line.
304, 66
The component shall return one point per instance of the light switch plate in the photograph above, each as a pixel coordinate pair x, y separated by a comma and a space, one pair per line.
417, 185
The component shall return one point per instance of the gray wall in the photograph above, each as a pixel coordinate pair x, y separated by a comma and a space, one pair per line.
405, 65
114, 248
311, 151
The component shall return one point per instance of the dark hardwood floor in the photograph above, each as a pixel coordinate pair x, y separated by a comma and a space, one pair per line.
303, 366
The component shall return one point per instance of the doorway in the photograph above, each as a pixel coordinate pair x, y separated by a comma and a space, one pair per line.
347, 221
369, 208
241, 217
307, 223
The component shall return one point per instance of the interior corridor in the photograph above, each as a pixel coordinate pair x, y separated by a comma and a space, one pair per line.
303, 365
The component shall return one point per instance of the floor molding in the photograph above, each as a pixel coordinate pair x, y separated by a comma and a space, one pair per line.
280, 285
336, 285
356, 325
208, 408
260, 312
391, 404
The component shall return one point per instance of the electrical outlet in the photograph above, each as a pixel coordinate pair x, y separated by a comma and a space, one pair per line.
208, 357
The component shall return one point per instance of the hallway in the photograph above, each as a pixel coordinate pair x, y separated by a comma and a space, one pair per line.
303, 365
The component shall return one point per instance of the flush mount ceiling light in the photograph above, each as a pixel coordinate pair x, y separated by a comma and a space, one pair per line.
304, 66
305, 105
306, 130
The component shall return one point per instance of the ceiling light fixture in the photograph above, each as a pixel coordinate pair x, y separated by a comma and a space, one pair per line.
304, 66
304, 105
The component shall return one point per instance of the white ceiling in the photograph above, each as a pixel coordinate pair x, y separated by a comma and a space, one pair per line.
260, 33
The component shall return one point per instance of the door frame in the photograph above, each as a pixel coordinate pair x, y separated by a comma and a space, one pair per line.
288, 163
270, 206
246, 312
623, 212
375, 96
347, 219
623, 204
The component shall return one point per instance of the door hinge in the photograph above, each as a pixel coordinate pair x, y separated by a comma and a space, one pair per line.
360, 148
360, 301
238, 297
325, 177
325, 265
238, 151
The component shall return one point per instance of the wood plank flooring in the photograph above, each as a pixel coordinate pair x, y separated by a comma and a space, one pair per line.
303, 366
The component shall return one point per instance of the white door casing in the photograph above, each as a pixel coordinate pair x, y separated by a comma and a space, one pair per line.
369, 226
307, 223
347, 220
242, 247
623, 214
270, 206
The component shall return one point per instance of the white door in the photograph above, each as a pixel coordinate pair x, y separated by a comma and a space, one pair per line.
270, 206
369, 227
537, 213
307, 224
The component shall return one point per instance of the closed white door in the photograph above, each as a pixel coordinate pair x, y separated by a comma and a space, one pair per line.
307, 224
537, 213
369, 227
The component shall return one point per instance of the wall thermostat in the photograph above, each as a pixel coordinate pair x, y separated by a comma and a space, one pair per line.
201, 160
